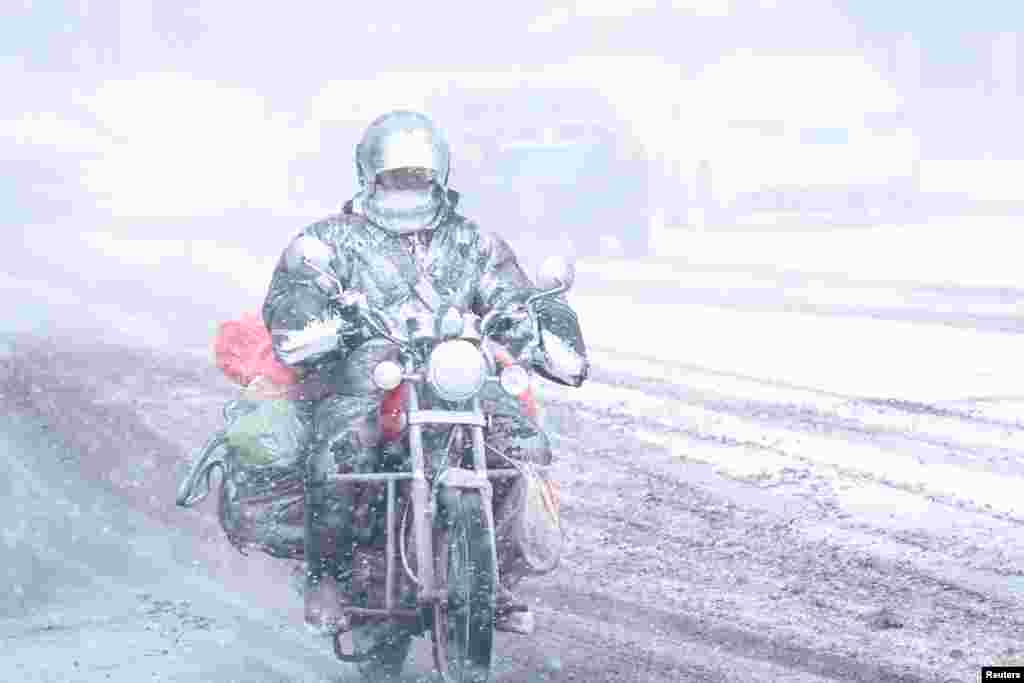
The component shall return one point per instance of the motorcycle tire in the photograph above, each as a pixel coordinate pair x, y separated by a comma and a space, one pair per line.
464, 623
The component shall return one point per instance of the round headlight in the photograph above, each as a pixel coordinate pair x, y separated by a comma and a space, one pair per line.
387, 375
456, 370
515, 380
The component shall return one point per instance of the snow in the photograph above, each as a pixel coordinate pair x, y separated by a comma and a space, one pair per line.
851, 356
752, 448
857, 356
827, 363
978, 251
814, 291
883, 500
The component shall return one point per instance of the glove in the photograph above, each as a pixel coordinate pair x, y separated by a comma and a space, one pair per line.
561, 354
517, 330
349, 308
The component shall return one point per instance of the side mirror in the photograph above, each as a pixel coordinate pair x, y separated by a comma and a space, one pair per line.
556, 272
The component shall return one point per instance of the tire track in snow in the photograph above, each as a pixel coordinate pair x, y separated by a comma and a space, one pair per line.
903, 489
968, 461
826, 582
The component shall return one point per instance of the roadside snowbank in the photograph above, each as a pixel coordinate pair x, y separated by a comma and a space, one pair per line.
816, 289
850, 356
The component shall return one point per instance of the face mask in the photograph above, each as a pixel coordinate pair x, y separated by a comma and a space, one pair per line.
405, 211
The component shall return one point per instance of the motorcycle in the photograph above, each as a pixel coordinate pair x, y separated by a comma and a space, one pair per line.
455, 573
446, 585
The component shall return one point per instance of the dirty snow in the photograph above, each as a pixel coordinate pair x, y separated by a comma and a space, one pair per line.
756, 449
994, 425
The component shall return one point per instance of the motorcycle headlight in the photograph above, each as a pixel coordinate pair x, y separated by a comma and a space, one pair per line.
515, 380
387, 375
456, 371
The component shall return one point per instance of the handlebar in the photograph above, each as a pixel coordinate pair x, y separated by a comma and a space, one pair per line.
525, 309
509, 313
358, 302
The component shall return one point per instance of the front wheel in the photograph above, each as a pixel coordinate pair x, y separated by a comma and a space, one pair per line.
464, 623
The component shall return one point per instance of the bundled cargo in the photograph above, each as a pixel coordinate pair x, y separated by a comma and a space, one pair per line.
260, 449
243, 351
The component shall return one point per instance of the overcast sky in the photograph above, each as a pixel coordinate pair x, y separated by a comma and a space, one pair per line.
196, 108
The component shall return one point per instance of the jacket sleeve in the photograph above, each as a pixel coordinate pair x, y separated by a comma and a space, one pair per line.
562, 354
304, 322
502, 280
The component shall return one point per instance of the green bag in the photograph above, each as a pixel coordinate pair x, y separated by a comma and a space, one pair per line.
262, 500
267, 431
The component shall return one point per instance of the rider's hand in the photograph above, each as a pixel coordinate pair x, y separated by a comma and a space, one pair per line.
351, 304
517, 328
351, 301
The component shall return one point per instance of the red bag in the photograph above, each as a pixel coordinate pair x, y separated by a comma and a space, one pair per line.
243, 352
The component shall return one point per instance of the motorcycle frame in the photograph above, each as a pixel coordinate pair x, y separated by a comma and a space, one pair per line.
431, 590
429, 594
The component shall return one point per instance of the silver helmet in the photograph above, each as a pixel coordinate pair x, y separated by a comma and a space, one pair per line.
403, 140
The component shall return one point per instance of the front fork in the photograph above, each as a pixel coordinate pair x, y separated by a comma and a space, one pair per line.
430, 595
456, 477
433, 593
420, 493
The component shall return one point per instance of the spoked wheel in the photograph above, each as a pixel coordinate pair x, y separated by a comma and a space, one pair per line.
464, 623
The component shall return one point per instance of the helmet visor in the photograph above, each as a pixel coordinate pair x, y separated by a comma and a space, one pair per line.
406, 178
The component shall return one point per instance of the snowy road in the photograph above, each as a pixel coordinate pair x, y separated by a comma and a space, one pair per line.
699, 551
97, 588
753, 500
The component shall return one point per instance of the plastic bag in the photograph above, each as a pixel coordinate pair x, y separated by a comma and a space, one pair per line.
264, 431
260, 506
265, 509
263, 501
538, 533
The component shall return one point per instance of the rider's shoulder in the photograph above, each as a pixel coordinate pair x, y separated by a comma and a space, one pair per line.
469, 231
491, 244
335, 229
462, 227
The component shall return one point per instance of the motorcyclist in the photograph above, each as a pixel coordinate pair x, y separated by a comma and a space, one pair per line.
401, 245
